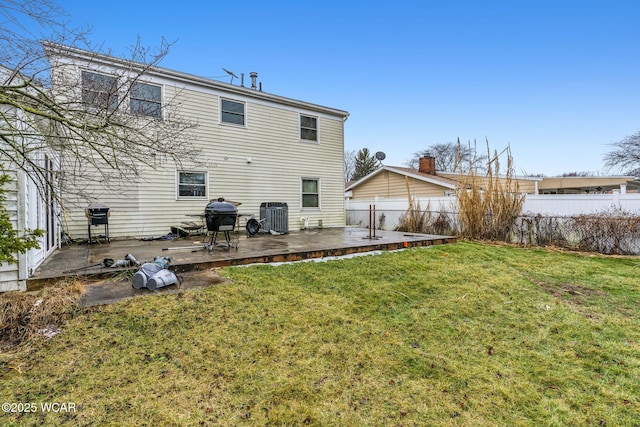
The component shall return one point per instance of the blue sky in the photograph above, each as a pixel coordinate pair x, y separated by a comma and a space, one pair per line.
556, 80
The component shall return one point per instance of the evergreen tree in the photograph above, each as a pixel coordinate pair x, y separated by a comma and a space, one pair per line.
365, 163
10, 240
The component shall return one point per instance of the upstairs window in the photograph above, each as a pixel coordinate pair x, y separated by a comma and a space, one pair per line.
310, 193
308, 128
146, 99
99, 90
232, 112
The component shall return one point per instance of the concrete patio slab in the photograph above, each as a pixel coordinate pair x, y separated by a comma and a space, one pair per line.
187, 255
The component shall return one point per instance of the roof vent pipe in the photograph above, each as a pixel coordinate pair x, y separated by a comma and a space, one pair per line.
253, 76
260, 84
241, 79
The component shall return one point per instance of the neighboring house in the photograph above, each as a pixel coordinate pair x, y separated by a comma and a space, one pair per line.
588, 185
391, 182
27, 208
389, 188
255, 147
396, 182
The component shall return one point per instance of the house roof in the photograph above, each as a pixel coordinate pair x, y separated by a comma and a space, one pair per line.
584, 183
516, 177
411, 173
54, 49
10, 77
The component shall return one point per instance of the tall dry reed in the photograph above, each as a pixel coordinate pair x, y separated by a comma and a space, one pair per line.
489, 204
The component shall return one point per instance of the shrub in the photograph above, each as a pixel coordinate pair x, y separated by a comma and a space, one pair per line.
415, 220
608, 232
11, 242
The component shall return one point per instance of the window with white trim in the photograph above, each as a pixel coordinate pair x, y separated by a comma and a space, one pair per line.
308, 128
192, 184
310, 193
99, 90
232, 112
146, 99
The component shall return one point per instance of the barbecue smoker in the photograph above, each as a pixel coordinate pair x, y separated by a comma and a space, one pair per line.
221, 216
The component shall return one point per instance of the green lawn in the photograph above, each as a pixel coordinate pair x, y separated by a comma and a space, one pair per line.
456, 335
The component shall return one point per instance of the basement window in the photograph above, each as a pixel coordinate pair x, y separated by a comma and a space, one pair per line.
192, 184
308, 128
146, 99
99, 90
232, 112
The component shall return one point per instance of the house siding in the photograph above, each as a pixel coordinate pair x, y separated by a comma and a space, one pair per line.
278, 162
388, 184
23, 206
9, 273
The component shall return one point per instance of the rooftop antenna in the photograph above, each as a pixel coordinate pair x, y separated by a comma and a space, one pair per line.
231, 74
380, 156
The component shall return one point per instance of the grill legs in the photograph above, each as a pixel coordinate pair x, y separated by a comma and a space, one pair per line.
227, 237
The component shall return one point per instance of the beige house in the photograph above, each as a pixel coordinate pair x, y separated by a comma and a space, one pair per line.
255, 148
391, 182
397, 182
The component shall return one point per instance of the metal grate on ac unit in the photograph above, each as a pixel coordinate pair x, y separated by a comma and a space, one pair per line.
277, 216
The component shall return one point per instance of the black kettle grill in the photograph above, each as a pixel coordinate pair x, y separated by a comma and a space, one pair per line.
221, 216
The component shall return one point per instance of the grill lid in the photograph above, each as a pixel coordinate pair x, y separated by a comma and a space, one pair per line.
97, 210
221, 207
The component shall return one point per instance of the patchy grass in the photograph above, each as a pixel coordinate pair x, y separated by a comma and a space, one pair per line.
465, 334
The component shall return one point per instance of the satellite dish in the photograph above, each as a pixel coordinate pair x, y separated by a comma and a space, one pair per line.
380, 155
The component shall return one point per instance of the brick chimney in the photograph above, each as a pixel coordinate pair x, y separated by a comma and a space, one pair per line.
427, 164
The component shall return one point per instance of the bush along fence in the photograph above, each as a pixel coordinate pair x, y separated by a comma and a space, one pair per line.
608, 232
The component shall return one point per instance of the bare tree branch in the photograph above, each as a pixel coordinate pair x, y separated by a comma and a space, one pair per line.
451, 156
625, 156
45, 112
349, 164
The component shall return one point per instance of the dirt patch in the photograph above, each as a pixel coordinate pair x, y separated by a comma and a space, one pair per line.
200, 278
570, 293
110, 291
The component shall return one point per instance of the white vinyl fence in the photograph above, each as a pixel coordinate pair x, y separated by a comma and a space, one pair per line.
580, 204
389, 211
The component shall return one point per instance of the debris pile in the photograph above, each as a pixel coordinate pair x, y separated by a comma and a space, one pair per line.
156, 274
